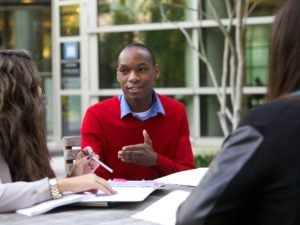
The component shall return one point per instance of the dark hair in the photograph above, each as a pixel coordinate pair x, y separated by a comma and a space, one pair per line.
22, 117
143, 46
284, 66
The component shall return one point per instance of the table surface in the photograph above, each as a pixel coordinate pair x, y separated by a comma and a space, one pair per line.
117, 214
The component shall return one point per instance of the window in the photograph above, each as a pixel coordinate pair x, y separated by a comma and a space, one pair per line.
28, 26
169, 47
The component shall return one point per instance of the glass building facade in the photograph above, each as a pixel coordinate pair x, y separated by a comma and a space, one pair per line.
26, 24
76, 44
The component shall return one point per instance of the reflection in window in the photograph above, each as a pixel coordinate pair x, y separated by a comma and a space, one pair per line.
168, 46
71, 115
188, 103
209, 108
265, 7
69, 20
29, 27
47, 86
256, 38
256, 7
209, 120
214, 45
257, 52
112, 12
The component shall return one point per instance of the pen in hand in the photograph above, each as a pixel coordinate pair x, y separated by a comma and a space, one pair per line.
98, 161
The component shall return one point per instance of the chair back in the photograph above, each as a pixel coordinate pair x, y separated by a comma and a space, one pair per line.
71, 147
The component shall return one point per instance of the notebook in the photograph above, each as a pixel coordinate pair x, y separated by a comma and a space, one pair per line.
127, 191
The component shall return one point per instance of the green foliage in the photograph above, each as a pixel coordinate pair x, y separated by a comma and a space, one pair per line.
203, 160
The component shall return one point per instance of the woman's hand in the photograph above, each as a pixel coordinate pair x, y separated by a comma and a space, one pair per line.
87, 182
84, 164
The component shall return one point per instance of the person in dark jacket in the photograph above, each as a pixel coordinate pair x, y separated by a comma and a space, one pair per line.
255, 179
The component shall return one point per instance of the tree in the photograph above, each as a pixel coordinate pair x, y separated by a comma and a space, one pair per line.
233, 65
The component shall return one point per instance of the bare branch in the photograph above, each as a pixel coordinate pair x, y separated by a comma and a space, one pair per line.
226, 33
233, 64
250, 10
241, 61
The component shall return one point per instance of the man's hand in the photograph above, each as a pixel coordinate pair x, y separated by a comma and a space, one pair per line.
140, 154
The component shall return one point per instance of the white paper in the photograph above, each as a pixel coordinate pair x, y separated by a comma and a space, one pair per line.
135, 191
51, 204
124, 194
164, 210
188, 177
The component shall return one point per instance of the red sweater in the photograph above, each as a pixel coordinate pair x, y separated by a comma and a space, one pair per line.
107, 133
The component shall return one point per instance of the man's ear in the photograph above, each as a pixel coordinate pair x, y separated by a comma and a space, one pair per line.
117, 75
157, 71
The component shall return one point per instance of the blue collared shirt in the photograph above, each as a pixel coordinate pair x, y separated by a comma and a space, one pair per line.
155, 109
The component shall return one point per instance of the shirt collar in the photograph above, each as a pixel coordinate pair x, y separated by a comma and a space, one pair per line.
157, 107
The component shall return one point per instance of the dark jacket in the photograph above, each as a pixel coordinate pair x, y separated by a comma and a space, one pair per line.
255, 179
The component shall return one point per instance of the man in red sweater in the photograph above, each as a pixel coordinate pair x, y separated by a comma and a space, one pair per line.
139, 134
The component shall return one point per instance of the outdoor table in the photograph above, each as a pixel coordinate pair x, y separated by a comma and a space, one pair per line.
74, 215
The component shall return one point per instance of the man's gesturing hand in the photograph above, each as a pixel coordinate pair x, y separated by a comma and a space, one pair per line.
141, 154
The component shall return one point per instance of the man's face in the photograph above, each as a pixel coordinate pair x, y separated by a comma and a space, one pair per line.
136, 75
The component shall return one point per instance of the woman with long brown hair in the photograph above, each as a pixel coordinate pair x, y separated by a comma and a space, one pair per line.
26, 177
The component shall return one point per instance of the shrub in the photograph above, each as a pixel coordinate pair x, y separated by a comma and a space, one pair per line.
203, 160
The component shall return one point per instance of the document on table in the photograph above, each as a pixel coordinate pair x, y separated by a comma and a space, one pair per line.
188, 177
51, 204
128, 191
124, 194
164, 210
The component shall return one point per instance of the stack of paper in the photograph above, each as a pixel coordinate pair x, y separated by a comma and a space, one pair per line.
164, 210
169, 204
188, 177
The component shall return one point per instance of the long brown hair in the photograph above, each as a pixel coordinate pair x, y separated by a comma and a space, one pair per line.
284, 65
22, 118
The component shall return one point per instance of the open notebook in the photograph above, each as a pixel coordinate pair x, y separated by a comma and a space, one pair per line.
127, 191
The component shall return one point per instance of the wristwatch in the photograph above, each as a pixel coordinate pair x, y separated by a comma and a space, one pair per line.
55, 194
